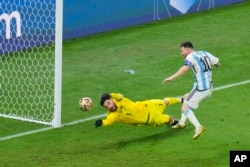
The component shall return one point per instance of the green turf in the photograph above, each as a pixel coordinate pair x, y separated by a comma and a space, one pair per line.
96, 64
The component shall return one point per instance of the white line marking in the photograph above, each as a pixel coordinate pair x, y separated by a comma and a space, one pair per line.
49, 128
103, 115
231, 85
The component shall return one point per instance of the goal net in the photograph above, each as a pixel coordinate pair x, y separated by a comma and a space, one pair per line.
30, 60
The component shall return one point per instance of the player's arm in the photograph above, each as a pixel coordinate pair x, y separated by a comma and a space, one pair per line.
180, 72
217, 64
214, 60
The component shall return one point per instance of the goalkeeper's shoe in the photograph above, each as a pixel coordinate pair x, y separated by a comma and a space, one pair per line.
175, 122
198, 132
179, 125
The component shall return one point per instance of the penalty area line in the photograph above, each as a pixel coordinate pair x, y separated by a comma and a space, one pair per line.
102, 115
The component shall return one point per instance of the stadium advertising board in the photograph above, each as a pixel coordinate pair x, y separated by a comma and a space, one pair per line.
86, 17
26, 23
29, 23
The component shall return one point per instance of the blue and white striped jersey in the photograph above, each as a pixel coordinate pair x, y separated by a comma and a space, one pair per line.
201, 63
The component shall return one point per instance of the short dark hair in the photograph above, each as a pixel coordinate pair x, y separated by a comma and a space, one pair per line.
104, 97
187, 44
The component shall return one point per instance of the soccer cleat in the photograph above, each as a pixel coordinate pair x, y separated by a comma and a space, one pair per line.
179, 125
198, 132
175, 122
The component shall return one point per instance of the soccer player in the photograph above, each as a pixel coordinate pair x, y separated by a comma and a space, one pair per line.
201, 63
148, 112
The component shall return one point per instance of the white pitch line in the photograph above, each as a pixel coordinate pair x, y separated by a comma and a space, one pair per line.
231, 85
49, 128
103, 115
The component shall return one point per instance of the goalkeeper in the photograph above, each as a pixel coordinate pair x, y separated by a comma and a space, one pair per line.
148, 112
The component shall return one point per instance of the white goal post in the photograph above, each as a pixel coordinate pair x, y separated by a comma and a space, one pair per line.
31, 60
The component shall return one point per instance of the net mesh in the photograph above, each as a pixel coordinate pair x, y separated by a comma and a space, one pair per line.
27, 58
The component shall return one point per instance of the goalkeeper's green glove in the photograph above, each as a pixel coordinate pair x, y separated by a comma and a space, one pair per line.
98, 123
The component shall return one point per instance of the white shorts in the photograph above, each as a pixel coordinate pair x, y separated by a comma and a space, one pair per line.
195, 97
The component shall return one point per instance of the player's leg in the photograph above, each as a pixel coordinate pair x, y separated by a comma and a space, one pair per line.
189, 114
172, 100
183, 119
161, 105
193, 101
167, 119
156, 109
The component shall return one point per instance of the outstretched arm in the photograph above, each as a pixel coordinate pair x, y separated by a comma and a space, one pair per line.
180, 72
110, 119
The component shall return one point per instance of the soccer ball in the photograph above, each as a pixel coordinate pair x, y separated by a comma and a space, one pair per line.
85, 103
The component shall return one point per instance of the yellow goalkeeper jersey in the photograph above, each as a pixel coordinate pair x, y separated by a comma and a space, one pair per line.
148, 112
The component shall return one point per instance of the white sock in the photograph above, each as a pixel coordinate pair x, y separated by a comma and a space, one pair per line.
183, 118
192, 118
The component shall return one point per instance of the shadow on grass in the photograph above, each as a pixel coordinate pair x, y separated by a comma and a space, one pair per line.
151, 139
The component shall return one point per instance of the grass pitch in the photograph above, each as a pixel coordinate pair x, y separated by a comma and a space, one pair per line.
96, 64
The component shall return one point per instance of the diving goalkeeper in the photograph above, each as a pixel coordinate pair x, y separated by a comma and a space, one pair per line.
123, 110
